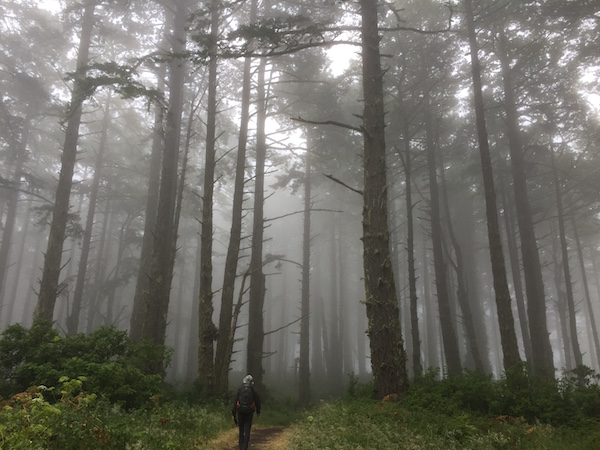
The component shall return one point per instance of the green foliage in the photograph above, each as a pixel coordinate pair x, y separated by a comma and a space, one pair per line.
356, 389
573, 400
472, 391
470, 411
366, 423
78, 420
114, 367
279, 411
30, 421
122, 78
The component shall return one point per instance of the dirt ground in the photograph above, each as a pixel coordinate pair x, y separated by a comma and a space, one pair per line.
261, 438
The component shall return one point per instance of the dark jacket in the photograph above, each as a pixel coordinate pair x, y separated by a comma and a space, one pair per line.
237, 397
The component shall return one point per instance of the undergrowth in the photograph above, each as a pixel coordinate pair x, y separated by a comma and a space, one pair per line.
96, 392
79, 420
466, 412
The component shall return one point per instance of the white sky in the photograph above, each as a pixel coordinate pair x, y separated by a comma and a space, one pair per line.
50, 5
341, 56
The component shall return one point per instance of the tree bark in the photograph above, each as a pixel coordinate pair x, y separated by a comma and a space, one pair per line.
257, 277
335, 359
410, 250
108, 319
588, 300
432, 354
561, 308
60, 213
515, 266
224, 344
578, 357
446, 314
388, 358
304, 367
99, 276
20, 152
463, 294
73, 318
136, 324
161, 269
508, 337
207, 331
542, 363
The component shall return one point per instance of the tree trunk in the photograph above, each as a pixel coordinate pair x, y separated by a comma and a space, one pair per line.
565, 265
542, 363
20, 150
515, 266
560, 305
410, 250
99, 276
18, 269
109, 315
192, 367
139, 307
304, 367
446, 314
257, 277
588, 300
60, 212
508, 337
347, 362
463, 294
336, 353
224, 345
161, 269
73, 318
207, 332
30, 300
432, 354
388, 358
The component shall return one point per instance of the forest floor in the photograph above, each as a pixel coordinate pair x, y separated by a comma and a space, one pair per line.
261, 438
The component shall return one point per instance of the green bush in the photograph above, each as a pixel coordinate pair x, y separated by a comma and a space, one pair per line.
115, 367
470, 391
453, 413
80, 420
572, 400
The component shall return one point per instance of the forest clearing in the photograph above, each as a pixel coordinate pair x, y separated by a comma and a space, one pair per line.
386, 212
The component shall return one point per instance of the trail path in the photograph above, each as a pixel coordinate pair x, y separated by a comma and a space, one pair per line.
261, 438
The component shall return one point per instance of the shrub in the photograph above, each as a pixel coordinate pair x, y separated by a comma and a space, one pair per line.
470, 391
114, 367
572, 400
80, 420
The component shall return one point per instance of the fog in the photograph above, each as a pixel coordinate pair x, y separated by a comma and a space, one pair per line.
122, 127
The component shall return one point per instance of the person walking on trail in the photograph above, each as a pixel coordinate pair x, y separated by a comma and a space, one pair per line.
247, 402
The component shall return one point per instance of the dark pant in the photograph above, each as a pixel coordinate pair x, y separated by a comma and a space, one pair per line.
245, 423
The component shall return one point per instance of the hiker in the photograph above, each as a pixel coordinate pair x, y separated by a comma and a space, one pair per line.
246, 403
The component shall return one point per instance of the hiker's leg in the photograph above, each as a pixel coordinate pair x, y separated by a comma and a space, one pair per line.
247, 426
241, 431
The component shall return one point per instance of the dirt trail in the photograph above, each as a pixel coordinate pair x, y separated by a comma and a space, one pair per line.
261, 438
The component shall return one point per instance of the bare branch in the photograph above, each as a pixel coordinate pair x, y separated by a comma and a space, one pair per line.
332, 178
329, 122
301, 212
284, 326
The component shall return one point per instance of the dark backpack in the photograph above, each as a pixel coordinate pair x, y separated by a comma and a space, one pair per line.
245, 404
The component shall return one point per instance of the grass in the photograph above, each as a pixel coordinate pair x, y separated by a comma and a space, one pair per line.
367, 424
466, 412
